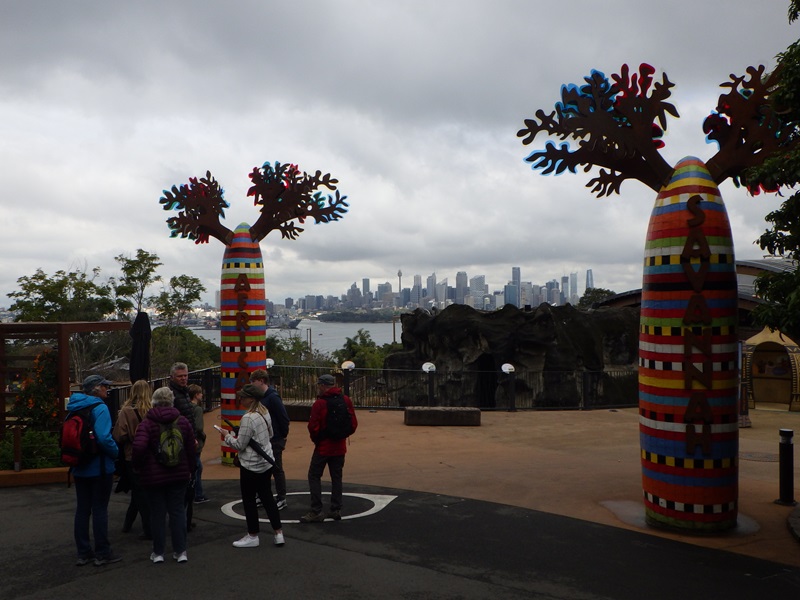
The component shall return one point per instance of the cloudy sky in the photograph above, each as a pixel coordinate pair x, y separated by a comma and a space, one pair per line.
414, 106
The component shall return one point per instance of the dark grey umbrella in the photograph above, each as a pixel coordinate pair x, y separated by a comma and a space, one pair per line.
140, 348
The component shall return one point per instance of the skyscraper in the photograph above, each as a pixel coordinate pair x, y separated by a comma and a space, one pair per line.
365, 286
462, 286
477, 286
516, 279
573, 288
564, 289
589, 279
430, 288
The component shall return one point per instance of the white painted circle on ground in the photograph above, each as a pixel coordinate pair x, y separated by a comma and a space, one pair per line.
379, 502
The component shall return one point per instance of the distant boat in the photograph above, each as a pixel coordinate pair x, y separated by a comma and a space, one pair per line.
282, 323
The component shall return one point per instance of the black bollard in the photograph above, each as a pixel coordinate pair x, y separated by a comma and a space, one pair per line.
786, 457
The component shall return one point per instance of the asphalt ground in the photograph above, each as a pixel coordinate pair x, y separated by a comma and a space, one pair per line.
528, 505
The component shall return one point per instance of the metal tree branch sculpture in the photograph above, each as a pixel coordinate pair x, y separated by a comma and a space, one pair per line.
286, 197
688, 405
284, 194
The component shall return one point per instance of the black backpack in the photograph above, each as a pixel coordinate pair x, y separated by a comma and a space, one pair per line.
77, 440
339, 424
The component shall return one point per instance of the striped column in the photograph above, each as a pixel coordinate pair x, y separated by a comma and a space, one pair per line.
243, 325
688, 411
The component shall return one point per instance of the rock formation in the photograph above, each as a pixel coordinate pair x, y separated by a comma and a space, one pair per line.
563, 357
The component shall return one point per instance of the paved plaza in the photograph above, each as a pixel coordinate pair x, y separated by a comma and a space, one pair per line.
528, 505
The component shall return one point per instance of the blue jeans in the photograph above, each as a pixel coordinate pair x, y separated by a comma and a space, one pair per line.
198, 484
315, 471
167, 500
93, 494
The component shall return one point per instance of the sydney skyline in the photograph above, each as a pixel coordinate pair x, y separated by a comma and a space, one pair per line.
414, 107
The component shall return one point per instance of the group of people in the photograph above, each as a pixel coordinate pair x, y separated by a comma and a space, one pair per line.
160, 489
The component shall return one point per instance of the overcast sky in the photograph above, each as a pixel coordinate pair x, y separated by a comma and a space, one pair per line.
414, 106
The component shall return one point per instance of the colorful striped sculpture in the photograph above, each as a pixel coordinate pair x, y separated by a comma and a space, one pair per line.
688, 407
687, 356
286, 197
243, 322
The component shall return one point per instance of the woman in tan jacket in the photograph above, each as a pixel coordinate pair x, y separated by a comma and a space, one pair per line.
130, 415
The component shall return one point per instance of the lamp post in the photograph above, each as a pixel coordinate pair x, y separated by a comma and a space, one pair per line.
508, 369
430, 369
347, 369
269, 363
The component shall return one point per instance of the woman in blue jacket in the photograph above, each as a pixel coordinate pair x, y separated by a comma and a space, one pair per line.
95, 478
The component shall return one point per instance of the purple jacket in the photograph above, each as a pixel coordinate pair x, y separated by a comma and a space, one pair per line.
145, 447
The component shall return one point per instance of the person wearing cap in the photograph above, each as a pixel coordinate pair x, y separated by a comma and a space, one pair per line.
327, 451
255, 427
95, 478
280, 425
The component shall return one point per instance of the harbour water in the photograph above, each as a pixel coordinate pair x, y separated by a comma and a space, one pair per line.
324, 337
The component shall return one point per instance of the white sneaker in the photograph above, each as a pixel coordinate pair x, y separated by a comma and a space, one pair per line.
157, 558
279, 541
282, 504
248, 541
181, 558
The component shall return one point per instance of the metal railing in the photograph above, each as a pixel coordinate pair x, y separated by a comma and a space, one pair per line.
487, 390
389, 389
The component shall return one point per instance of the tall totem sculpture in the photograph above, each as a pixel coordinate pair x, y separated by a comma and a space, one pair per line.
688, 378
286, 197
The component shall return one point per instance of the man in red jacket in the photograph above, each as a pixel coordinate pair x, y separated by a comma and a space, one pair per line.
329, 448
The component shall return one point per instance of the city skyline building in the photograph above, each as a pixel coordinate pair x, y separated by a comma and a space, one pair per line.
471, 291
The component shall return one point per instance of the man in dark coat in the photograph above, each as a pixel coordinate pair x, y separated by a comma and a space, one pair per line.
280, 424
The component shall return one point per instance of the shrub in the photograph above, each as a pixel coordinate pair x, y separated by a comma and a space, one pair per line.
39, 450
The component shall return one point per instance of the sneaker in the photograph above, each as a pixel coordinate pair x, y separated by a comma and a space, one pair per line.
282, 504
278, 539
83, 561
181, 558
200, 500
335, 515
157, 558
312, 517
106, 560
248, 541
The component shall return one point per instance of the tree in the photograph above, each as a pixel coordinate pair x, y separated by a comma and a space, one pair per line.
173, 343
594, 295
363, 351
174, 302
138, 274
781, 290
73, 296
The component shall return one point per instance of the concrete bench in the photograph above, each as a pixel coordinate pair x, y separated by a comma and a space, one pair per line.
442, 415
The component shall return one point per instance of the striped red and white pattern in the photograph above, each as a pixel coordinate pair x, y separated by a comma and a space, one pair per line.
243, 325
688, 380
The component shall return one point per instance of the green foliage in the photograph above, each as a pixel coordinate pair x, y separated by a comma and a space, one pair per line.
592, 295
37, 404
39, 450
74, 296
174, 302
364, 352
781, 290
138, 274
171, 343
295, 351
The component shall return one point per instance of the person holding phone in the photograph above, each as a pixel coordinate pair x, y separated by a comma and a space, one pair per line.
254, 479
